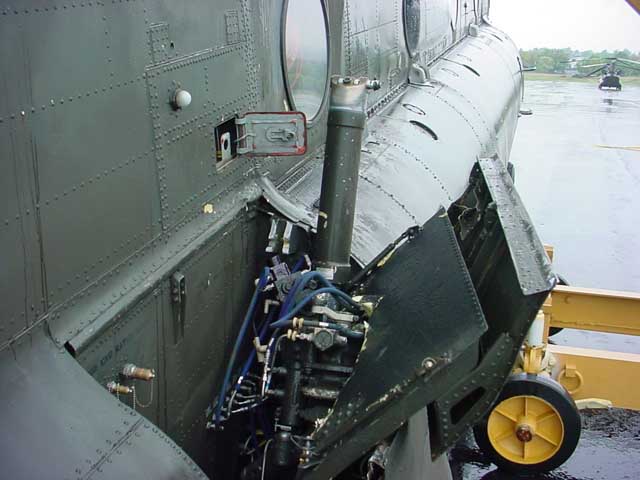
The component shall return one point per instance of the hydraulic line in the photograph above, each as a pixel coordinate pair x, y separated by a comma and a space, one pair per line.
247, 319
281, 322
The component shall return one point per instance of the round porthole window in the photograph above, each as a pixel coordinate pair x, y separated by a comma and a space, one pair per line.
412, 24
306, 55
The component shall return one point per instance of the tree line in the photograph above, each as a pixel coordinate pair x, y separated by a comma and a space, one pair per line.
565, 60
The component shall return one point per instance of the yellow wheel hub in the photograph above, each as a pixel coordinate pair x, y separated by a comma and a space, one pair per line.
525, 429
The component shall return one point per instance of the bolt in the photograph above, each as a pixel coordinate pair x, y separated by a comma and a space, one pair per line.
374, 85
428, 363
524, 433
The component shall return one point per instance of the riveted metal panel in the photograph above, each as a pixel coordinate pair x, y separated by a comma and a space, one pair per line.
405, 170
70, 217
184, 139
79, 146
185, 142
218, 286
437, 19
12, 52
160, 45
13, 281
200, 25
135, 338
51, 39
404, 124
374, 44
93, 310
438, 35
50, 405
23, 284
78, 155
124, 27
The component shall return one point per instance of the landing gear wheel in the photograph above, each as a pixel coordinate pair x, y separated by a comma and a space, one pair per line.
533, 427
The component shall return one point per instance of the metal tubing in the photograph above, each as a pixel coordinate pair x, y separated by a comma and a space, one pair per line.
347, 118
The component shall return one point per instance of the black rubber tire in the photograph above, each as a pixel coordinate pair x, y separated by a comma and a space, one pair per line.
555, 330
555, 394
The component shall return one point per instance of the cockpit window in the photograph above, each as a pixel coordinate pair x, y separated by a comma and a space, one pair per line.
412, 23
306, 55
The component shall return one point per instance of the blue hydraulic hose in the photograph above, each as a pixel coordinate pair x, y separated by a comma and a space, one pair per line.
299, 264
282, 321
299, 285
247, 319
303, 281
252, 355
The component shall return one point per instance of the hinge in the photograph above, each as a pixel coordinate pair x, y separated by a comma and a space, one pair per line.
277, 134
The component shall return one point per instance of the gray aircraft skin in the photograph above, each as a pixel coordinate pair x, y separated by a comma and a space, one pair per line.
135, 219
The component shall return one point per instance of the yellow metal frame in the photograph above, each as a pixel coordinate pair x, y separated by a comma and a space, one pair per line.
595, 310
597, 374
592, 377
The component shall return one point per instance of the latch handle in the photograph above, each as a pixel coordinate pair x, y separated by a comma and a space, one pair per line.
267, 133
179, 301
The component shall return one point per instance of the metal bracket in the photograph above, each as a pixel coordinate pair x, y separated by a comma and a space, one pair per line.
179, 301
283, 238
419, 75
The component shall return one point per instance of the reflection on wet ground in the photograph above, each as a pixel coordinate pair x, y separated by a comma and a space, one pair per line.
609, 449
584, 200
583, 197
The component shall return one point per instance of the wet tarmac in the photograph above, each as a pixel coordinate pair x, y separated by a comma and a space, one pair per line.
584, 199
609, 449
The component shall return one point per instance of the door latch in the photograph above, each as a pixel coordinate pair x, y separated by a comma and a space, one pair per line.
277, 133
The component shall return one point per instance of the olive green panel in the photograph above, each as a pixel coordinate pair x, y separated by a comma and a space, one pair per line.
13, 51
51, 42
206, 28
374, 44
184, 139
125, 27
13, 281
218, 285
97, 192
85, 142
22, 279
134, 338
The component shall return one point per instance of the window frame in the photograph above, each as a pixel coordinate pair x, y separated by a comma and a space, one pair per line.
416, 50
283, 61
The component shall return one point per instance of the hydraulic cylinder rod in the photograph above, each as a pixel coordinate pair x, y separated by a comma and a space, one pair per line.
347, 119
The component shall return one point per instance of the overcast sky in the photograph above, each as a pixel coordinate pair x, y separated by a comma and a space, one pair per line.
578, 24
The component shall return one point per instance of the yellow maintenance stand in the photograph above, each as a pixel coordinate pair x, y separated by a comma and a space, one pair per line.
534, 425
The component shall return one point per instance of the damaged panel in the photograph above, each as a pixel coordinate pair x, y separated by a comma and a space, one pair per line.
512, 277
426, 327
429, 328
505, 257
525, 247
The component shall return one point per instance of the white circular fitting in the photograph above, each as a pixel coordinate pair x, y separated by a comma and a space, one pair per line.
181, 99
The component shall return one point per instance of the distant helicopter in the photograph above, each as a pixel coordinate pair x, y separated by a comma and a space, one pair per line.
610, 72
